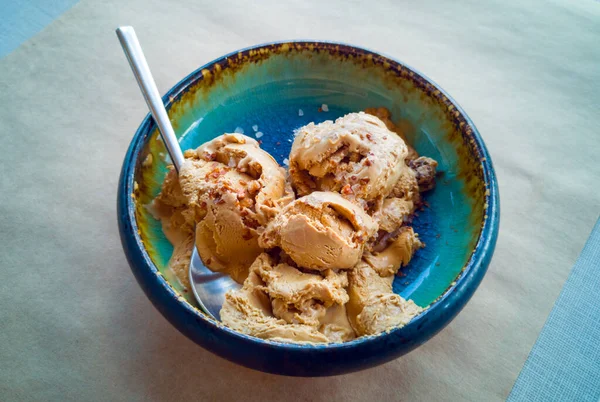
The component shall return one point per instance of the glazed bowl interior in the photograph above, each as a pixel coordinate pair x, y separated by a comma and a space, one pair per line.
275, 89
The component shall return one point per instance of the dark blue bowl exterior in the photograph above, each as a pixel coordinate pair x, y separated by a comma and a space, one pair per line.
300, 359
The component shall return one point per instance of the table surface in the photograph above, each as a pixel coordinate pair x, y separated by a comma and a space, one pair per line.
76, 326
563, 364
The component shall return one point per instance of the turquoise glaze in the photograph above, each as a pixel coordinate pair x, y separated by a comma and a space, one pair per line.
280, 87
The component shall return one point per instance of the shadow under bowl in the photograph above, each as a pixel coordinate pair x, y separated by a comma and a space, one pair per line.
273, 89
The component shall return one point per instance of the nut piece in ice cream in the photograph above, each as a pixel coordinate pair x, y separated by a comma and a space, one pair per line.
356, 156
320, 231
281, 302
425, 170
228, 189
373, 307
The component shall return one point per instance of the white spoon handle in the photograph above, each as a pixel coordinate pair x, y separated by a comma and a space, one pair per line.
137, 61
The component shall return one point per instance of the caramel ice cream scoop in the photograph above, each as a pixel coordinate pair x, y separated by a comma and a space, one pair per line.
373, 307
396, 254
278, 301
320, 231
357, 155
266, 183
229, 189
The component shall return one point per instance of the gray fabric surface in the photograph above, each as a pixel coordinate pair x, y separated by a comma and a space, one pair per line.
564, 364
74, 325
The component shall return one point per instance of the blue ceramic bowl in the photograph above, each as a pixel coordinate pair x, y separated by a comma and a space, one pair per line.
282, 86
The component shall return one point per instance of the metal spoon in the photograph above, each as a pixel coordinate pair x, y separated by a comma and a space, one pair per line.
209, 287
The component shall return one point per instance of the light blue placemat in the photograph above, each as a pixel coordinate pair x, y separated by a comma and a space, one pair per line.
564, 364
21, 19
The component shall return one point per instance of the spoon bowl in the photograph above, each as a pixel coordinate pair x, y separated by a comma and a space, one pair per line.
209, 287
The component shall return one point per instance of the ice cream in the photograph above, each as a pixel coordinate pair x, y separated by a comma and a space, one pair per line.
373, 307
278, 301
356, 156
229, 189
318, 268
396, 254
361, 157
320, 231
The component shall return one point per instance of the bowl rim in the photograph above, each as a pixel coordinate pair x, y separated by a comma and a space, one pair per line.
452, 300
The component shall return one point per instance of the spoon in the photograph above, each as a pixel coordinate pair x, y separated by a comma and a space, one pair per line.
208, 287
